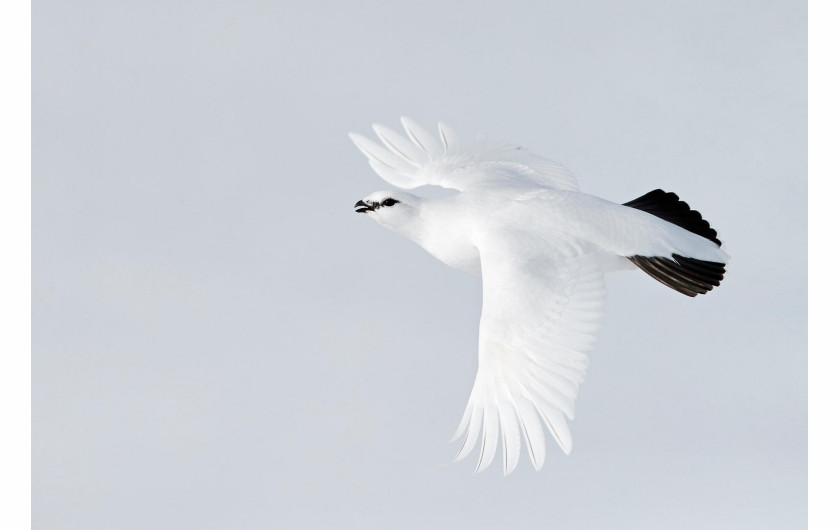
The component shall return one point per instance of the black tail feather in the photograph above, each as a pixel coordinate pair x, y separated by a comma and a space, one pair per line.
688, 276
669, 207
685, 275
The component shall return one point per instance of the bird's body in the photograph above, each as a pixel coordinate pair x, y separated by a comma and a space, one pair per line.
542, 249
450, 228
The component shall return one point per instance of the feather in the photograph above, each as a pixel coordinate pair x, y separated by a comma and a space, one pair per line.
377, 152
422, 139
555, 422
401, 180
510, 430
451, 142
465, 421
548, 395
472, 433
491, 438
529, 420
401, 146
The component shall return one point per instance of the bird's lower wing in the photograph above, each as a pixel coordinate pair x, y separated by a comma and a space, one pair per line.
541, 313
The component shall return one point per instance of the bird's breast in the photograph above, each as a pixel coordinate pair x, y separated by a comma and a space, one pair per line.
452, 243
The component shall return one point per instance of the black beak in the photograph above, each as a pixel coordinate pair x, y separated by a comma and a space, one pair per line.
362, 207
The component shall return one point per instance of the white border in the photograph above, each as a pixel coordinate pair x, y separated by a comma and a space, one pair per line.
823, 263
15, 231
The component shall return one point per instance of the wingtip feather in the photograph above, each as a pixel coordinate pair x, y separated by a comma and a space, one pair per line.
491, 439
472, 433
421, 138
451, 142
400, 145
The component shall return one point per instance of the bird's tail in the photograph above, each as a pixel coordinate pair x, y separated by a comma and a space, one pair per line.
686, 275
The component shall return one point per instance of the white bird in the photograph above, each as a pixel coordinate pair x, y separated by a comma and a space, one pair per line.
542, 248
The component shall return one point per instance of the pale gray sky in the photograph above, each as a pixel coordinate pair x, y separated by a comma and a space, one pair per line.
219, 341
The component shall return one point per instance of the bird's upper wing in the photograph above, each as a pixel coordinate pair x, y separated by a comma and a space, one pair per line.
541, 312
423, 159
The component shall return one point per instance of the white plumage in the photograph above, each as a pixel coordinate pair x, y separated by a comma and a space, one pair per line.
542, 249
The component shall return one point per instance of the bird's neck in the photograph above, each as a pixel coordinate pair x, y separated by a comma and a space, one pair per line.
441, 236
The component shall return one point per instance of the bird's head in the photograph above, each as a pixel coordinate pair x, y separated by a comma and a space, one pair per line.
395, 210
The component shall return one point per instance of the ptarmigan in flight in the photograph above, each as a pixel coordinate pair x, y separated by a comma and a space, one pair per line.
542, 248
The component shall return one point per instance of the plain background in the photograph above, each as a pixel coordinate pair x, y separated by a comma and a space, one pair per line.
220, 342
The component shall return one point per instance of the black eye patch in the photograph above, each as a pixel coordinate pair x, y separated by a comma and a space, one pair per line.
389, 202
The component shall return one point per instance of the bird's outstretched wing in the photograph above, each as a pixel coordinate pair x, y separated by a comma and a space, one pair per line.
423, 159
541, 312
